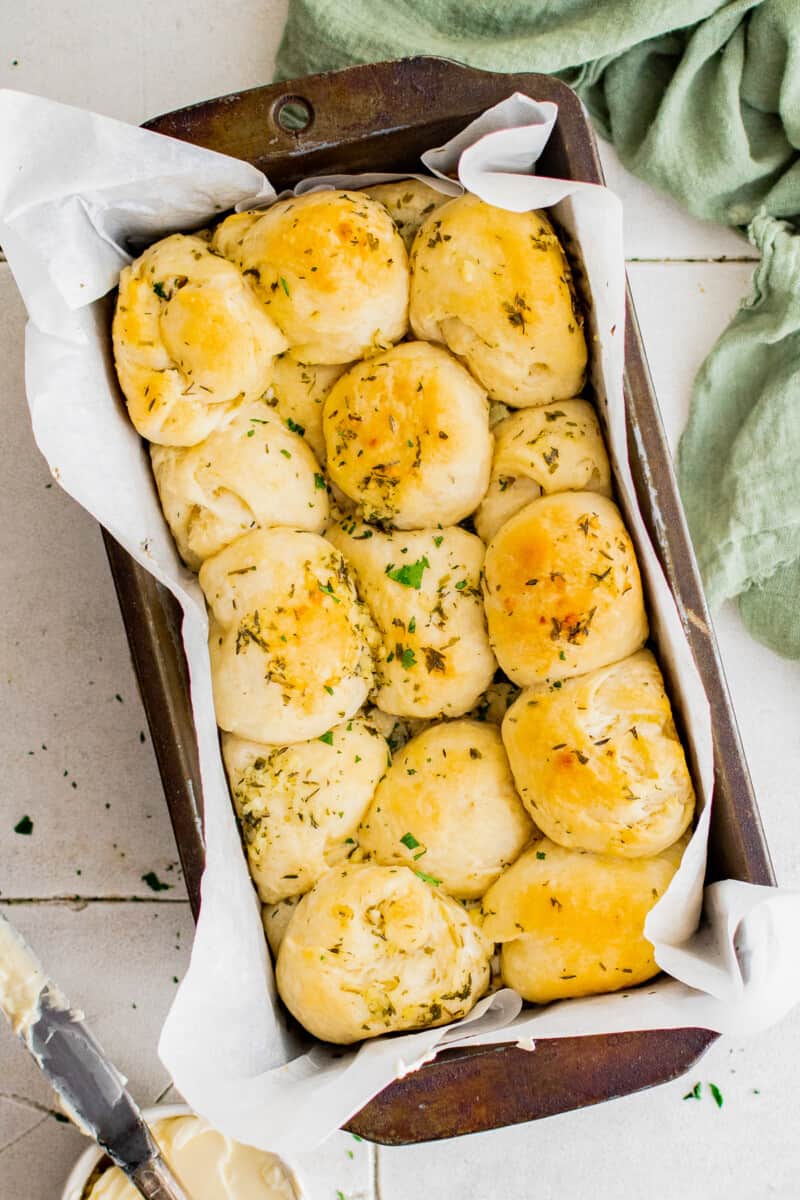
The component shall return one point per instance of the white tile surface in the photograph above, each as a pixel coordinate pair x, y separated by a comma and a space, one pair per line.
65, 659
72, 750
682, 310
136, 60
656, 226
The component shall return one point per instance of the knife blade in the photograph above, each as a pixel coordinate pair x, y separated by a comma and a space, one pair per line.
92, 1091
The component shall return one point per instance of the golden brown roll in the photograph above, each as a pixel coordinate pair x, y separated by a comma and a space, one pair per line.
598, 762
409, 202
191, 340
448, 806
495, 286
571, 923
251, 472
297, 392
372, 950
331, 269
288, 638
563, 591
299, 806
541, 451
423, 591
407, 437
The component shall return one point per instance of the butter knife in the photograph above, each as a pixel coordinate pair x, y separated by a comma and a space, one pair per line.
92, 1091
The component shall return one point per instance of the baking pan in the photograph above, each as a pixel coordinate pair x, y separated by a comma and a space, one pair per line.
380, 117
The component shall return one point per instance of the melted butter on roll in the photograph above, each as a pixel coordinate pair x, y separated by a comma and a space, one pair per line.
598, 762
373, 950
297, 392
191, 340
288, 638
563, 590
409, 202
407, 437
299, 806
251, 472
571, 923
448, 804
496, 288
541, 451
423, 591
331, 269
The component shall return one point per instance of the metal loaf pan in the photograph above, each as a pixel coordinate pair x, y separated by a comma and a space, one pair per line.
381, 117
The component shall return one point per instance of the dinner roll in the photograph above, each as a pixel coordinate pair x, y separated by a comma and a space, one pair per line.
191, 340
275, 918
423, 590
543, 450
409, 202
495, 286
297, 392
571, 923
375, 949
251, 472
299, 806
598, 762
563, 591
448, 805
330, 267
407, 437
288, 638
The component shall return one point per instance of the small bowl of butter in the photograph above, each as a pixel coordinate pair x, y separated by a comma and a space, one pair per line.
209, 1165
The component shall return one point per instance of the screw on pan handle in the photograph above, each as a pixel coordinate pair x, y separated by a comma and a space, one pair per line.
155, 1181
293, 114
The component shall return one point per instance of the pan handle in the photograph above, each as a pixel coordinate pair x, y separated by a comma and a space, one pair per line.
305, 118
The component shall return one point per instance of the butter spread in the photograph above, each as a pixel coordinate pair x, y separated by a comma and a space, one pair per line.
209, 1165
21, 980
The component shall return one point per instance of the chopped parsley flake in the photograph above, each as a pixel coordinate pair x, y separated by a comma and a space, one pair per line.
694, 1094
286, 453
410, 841
328, 590
327, 738
296, 428
24, 826
319, 481
154, 883
408, 659
717, 1094
427, 878
284, 285
410, 574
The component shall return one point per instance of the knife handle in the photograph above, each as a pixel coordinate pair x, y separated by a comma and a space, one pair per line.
155, 1181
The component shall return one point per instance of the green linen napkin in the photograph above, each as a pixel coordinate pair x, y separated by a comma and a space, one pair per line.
702, 99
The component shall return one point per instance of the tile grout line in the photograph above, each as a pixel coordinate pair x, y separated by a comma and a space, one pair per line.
721, 260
